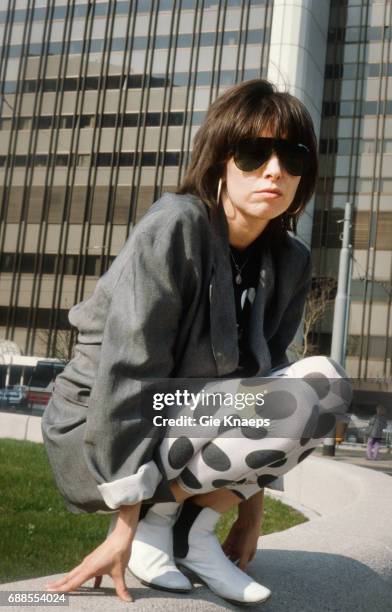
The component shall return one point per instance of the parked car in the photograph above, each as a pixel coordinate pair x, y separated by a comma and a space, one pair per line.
26, 382
15, 395
41, 383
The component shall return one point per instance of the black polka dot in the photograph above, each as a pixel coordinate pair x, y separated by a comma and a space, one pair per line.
221, 483
180, 453
226, 426
215, 458
325, 424
278, 463
265, 480
254, 433
260, 458
277, 405
252, 381
310, 426
241, 481
190, 479
319, 382
205, 411
305, 454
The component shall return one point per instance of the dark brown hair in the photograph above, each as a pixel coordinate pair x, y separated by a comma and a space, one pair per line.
243, 111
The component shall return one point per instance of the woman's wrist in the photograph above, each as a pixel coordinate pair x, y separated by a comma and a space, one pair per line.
128, 518
250, 511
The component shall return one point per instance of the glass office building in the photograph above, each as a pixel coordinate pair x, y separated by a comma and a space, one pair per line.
99, 102
356, 165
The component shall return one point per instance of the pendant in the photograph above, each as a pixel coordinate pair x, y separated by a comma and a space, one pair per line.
238, 279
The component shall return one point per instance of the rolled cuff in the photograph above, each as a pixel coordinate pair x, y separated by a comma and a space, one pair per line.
131, 489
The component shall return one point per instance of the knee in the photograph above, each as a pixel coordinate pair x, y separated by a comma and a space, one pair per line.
321, 364
328, 379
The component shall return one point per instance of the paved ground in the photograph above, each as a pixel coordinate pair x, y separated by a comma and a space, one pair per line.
356, 455
104, 599
338, 562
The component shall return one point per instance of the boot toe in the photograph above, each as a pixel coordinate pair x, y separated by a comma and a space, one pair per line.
256, 593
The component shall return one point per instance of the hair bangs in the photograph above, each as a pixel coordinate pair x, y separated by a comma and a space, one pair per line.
280, 119
274, 116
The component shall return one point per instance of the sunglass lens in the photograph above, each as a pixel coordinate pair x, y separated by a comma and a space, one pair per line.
250, 154
295, 157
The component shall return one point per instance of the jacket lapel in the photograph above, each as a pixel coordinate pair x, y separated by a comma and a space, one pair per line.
222, 304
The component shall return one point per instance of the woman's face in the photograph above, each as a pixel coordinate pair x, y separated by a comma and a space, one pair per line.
247, 193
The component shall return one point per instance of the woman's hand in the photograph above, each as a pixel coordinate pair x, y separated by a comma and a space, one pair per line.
111, 557
241, 542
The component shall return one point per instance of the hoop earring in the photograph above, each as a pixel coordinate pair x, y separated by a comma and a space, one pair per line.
219, 191
294, 212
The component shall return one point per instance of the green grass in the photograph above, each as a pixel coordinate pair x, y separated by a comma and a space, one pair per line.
277, 517
39, 536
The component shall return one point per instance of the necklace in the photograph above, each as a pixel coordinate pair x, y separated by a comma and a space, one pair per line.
238, 277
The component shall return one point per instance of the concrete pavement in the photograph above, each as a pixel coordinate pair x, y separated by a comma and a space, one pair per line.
355, 454
340, 561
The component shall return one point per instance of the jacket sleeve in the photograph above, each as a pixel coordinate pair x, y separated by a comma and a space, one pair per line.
139, 336
370, 425
291, 318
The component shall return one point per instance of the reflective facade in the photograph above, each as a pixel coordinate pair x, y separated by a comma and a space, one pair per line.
356, 166
99, 104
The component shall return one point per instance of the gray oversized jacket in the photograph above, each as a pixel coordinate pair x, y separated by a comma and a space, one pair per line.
165, 308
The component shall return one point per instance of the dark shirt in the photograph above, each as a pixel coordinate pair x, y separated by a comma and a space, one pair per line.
248, 261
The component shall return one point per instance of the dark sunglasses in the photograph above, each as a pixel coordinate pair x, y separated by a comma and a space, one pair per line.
251, 153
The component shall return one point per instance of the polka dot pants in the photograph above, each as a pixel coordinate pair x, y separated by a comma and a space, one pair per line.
302, 403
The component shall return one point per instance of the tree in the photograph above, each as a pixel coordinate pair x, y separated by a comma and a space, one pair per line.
319, 298
59, 344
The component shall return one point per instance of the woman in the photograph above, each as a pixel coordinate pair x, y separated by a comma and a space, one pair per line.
208, 286
376, 425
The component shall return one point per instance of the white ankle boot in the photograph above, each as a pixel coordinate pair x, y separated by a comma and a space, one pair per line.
197, 548
152, 560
